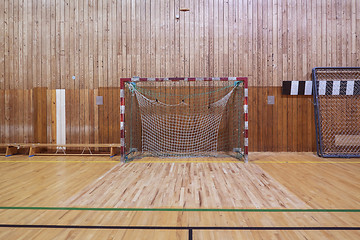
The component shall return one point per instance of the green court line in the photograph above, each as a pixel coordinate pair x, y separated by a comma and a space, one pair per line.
181, 209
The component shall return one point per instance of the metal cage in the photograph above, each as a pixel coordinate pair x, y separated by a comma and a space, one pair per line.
336, 94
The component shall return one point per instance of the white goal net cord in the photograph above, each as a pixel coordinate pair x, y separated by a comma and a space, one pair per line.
180, 129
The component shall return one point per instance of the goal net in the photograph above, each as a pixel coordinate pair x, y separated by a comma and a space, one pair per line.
337, 111
184, 118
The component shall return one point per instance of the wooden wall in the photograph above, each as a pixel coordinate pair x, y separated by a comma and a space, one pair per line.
43, 43
30, 116
16, 116
288, 125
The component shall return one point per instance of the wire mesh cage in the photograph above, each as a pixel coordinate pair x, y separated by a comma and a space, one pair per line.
337, 111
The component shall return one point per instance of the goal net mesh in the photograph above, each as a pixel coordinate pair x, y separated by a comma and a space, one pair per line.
338, 111
185, 118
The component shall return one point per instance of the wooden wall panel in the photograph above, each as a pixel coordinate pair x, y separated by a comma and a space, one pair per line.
44, 43
87, 122
288, 125
2, 116
28, 117
72, 115
16, 116
102, 122
52, 116
39, 116
2, 45
109, 116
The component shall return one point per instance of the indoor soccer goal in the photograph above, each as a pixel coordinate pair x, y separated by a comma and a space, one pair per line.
337, 111
184, 117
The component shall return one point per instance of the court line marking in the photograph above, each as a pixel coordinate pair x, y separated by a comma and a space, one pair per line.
183, 209
189, 228
175, 227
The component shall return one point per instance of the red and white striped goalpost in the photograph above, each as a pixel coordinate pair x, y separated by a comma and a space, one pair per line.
136, 79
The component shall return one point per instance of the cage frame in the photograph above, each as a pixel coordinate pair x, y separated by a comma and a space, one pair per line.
140, 79
318, 130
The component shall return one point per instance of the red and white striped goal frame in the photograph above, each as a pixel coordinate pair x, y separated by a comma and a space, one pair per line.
137, 79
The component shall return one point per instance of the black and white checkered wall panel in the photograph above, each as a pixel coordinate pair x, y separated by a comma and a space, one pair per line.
323, 87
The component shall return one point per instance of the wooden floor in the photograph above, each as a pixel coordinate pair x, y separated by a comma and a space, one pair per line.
274, 196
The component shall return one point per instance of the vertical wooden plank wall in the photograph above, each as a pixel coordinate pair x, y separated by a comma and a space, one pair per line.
288, 125
39, 114
43, 43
